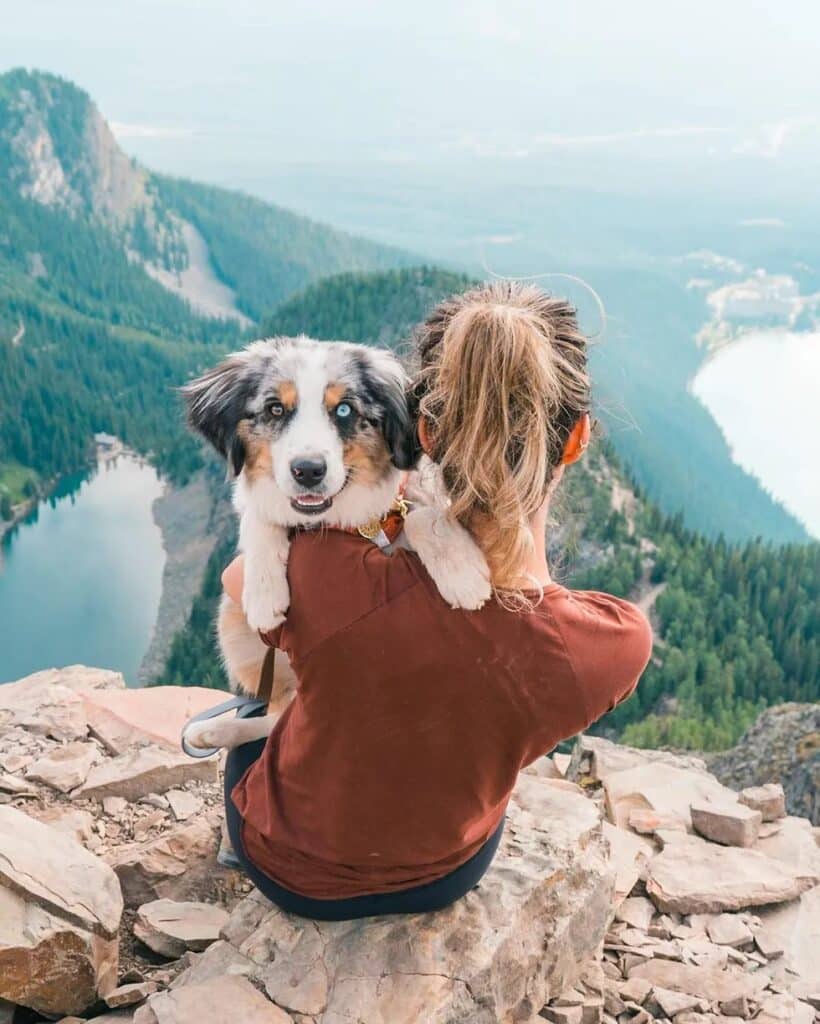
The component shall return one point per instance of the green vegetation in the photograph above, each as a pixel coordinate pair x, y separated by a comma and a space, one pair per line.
263, 252
17, 483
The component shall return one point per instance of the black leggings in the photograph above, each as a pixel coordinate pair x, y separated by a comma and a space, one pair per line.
418, 900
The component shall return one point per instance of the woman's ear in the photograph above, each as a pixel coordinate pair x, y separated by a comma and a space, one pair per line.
578, 441
425, 438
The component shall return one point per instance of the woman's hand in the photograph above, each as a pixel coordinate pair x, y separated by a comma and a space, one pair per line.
233, 579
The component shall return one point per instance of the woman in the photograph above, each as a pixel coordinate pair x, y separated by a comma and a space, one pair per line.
384, 785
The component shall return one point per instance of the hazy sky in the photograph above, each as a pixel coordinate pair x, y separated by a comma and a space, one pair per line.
344, 79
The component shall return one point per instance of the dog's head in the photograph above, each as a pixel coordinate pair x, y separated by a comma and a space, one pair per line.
320, 429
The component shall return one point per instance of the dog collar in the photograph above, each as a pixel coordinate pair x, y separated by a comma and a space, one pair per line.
383, 532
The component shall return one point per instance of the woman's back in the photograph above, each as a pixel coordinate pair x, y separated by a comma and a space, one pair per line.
395, 761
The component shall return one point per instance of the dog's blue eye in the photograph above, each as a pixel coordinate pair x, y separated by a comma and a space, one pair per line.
343, 410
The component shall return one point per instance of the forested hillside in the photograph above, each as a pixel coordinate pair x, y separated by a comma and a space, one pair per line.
90, 340
736, 625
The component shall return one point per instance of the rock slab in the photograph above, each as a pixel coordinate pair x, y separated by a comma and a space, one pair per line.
695, 877
144, 770
171, 927
60, 909
499, 954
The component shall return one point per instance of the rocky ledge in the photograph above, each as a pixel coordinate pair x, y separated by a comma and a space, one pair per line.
631, 886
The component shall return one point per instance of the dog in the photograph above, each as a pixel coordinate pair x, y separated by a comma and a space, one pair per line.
315, 433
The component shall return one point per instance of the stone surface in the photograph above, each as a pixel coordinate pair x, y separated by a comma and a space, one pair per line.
710, 983
228, 1000
183, 805
729, 930
64, 768
795, 928
171, 927
594, 759
636, 911
144, 770
729, 824
663, 788
647, 821
629, 854
794, 846
155, 715
74, 822
770, 800
60, 910
15, 786
522, 937
130, 995
698, 877
171, 866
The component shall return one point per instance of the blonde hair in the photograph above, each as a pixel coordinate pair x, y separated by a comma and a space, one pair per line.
502, 380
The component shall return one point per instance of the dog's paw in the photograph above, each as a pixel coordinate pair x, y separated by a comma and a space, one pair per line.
204, 735
463, 580
454, 561
265, 606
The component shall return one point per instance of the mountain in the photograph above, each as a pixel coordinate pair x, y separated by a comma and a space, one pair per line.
736, 625
116, 284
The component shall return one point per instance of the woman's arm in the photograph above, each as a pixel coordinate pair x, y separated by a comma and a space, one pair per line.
233, 579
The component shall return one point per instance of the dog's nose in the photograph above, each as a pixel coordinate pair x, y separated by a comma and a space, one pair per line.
308, 472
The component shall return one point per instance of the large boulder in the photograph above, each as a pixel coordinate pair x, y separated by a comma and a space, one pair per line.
60, 909
144, 770
499, 954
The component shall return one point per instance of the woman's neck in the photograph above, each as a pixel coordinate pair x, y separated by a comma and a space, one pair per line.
537, 567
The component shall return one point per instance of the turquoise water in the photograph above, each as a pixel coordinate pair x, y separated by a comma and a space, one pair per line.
80, 577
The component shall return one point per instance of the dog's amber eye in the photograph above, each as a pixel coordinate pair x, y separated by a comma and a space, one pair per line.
275, 409
344, 410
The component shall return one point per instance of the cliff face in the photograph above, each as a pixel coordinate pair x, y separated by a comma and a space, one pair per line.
630, 887
782, 746
60, 152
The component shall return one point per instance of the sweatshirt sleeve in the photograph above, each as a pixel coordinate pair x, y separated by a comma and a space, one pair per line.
609, 642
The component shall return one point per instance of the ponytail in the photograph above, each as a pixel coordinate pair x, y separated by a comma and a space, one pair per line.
502, 382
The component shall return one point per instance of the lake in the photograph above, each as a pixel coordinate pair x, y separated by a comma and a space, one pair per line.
80, 577
764, 392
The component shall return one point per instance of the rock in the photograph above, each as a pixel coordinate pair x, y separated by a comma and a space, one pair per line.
594, 759
130, 995
64, 768
794, 928
114, 805
221, 1001
183, 805
563, 1015
728, 930
710, 983
784, 1009
172, 866
629, 854
794, 846
155, 800
730, 824
521, 938
635, 990
170, 928
673, 1003
74, 822
737, 1007
154, 715
144, 770
770, 800
15, 787
636, 911
647, 821
60, 910
663, 788
783, 746
49, 710
697, 877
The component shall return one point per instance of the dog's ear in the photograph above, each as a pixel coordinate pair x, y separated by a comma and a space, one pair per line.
387, 383
217, 402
